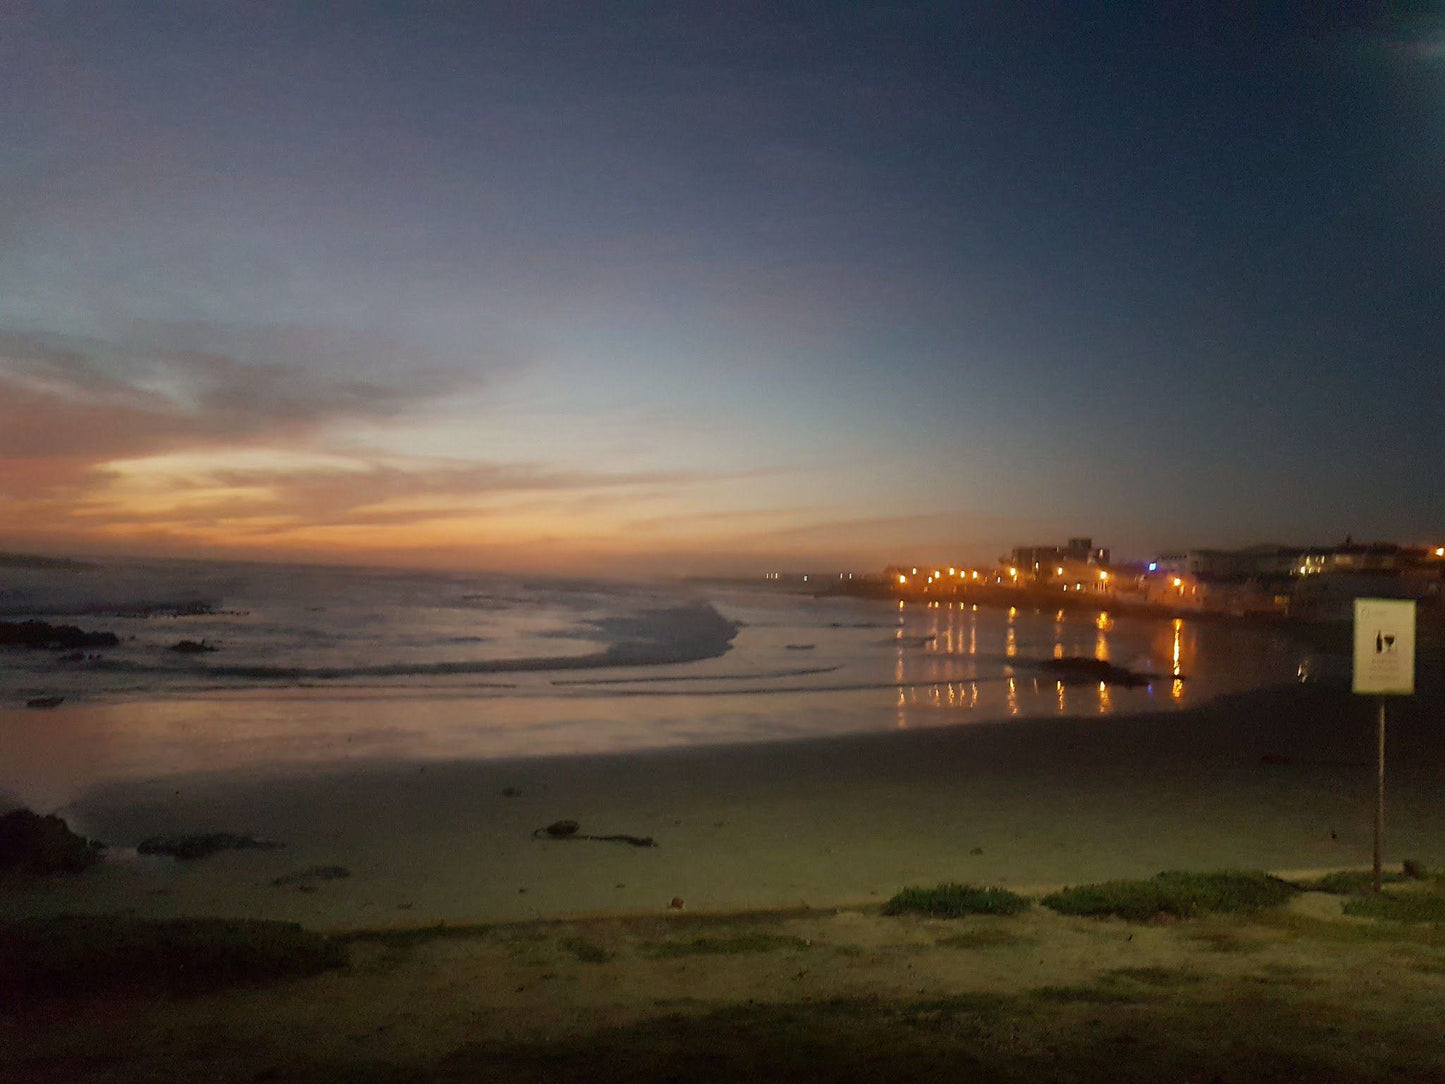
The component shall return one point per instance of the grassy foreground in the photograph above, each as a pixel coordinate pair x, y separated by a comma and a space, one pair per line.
1294, 989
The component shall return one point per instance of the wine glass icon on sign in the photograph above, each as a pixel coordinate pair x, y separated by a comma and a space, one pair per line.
1389, 642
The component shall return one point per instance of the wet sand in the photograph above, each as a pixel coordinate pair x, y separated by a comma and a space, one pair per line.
1278, 779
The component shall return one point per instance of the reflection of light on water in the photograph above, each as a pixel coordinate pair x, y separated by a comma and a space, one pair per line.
1059, 650
1104, 702
1060, 686
973, 634
1101, 646
1104, 622
1013, 697
973, 695
1176, 690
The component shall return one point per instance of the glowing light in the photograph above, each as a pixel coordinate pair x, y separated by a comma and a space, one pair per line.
1440, 551
1059, 571
1153, 566
902, 579
1103, 576
1178, 582
1014, 573
953, 571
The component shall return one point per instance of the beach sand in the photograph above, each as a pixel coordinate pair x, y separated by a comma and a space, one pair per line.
819, 823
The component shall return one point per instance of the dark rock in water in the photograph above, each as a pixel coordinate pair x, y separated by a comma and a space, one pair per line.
45, 701
315, 873
40, 634
189, 847
800, 647
31, 843
193, 647
560, 829
1077, 668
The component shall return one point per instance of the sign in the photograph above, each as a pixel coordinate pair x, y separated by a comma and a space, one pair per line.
1384, 646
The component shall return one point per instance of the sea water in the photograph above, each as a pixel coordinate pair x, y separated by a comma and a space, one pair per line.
320, 665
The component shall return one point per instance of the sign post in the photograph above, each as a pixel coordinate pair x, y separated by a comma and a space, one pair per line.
1384, 666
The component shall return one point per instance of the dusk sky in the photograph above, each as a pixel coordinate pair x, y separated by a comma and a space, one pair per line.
716, 288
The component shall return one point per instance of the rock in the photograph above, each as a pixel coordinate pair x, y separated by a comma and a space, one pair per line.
562, 829
45, 701
40, 634
976, 850
676, 904
315, 873
199, 846
31, 843
1077, 668
193, 647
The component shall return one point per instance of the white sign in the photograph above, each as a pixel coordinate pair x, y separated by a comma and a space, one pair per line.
1384, 646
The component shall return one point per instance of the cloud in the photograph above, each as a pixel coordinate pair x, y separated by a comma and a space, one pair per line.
79, 400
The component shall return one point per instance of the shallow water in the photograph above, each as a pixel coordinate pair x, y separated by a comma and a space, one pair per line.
325, 666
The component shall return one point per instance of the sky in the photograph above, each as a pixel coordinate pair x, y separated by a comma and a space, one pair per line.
718, 288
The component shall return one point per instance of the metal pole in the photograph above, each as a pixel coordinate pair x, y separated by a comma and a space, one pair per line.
1379, 792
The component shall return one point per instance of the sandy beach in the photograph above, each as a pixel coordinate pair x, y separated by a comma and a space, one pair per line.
1278, 779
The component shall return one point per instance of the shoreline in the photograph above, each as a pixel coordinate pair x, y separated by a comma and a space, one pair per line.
815, 822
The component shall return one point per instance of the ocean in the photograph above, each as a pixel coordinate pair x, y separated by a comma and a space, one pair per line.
319, 665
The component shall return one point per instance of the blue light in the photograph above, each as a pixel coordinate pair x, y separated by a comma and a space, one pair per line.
1153, 566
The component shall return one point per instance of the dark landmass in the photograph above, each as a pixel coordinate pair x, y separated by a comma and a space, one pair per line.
45, 701
39, 634
30, 843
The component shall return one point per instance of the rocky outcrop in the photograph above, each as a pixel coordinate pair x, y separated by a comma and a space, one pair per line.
1076, 668
193, 647
30, 843
39, 634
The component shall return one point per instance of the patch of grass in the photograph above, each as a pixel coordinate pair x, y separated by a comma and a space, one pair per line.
74, 955
984, 937
953, 900
1173, 894
725, 946
1349, 882
589, 952
1401, 907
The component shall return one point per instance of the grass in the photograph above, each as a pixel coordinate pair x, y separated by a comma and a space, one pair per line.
1173, 895
725, 946
70, 956
955, 900
1401, 907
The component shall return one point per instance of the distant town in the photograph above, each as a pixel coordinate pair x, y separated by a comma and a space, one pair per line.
1309, 582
